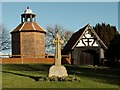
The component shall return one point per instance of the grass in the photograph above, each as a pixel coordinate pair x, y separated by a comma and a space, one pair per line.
24, 76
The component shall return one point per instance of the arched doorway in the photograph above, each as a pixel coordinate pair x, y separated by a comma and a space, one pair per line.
89, 57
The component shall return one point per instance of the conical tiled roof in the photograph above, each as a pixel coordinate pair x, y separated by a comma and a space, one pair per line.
28, 26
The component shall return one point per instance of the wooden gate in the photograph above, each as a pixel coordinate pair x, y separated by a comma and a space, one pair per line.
89, 57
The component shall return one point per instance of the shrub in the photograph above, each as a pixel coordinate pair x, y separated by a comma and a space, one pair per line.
73, 78
62, 79
53, 78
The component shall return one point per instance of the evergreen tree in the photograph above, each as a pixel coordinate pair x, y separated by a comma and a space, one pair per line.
110, 36
106, 32
113, 54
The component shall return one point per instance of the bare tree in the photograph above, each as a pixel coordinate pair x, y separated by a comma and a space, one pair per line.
50, 35
5, 43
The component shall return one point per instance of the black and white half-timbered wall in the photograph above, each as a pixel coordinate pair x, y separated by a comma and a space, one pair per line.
85, 47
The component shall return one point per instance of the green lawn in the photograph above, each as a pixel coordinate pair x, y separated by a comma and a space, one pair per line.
23, 76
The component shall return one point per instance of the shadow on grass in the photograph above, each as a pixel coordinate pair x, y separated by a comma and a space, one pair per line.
30, 76
26, 67
103, 75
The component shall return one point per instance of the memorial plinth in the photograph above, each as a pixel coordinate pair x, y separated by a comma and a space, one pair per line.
57, 69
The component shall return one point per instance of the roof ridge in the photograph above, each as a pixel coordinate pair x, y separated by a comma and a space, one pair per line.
82, 30
22, 26
39, 27
33, 26
98, 37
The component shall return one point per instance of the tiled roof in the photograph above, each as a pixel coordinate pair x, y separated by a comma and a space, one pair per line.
28, 26
73, 40
75, 37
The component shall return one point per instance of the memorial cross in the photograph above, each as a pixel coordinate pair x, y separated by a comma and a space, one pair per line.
58, 41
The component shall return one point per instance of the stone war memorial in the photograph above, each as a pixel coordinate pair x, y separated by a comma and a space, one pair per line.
57, 69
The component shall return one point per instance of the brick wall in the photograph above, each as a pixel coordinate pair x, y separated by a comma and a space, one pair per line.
28, 44
16, 43
65, 60
32, 43
27, 60
40, 44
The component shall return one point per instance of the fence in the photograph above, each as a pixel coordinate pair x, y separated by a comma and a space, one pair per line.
49, 59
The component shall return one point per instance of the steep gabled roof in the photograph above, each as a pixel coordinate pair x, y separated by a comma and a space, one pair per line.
77, 36
28, 26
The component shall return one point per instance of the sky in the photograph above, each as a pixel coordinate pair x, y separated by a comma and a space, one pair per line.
70, 15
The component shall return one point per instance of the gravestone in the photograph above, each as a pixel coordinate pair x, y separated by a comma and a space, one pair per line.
57, 69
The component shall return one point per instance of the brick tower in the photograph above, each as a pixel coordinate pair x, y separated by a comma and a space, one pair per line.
28, 38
